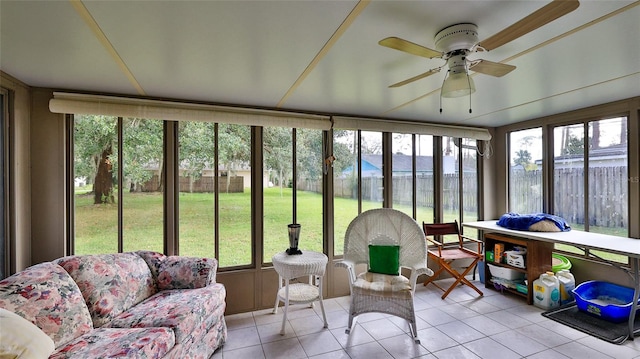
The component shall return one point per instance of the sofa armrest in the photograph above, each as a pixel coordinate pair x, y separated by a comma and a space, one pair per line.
177, 272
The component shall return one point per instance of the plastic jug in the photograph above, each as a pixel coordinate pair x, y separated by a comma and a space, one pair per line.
546, 291
567, 284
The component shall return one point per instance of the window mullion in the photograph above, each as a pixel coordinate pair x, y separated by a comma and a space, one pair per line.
120, 191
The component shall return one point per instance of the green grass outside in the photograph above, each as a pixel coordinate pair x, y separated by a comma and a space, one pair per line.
96, 225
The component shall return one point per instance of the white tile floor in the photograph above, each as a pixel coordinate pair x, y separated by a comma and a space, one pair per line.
462, 326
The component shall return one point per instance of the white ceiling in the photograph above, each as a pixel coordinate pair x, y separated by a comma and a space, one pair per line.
255, 53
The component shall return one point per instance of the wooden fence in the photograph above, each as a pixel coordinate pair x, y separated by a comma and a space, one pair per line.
608, 202
403, 190
201, 185
607, 191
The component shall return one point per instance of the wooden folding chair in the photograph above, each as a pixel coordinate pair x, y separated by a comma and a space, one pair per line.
445, 253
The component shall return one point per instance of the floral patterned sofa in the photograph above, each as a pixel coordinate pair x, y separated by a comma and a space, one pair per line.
131, 305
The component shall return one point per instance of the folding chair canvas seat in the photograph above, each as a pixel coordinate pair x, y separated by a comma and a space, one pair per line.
444, 254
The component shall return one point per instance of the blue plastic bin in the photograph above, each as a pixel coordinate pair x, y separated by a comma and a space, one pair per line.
606, 300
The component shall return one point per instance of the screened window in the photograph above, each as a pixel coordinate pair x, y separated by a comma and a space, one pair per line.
119, 185
118, 209
293, 173
525, 171
96, 211
215, 157
402, 173
450, 180
459, 181
413, 175
198, 176
142, 186
357, 178
278, 196
424, 179
372, 167
345, 183
590, 181
469, 194
234, 207
309, 174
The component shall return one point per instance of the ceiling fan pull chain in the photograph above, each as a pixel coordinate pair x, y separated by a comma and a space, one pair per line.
469, 82
445, 79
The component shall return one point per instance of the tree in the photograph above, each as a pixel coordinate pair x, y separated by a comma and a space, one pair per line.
96, 155
142, 144
574, 146
309, 154
523, 158
371, 145
196, 141
94, 139
278, 150
344, 155
595, 135
234, 150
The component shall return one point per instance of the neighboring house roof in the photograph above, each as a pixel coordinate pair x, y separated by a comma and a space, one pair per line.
603, 156
615, 151
372, 164
401, 163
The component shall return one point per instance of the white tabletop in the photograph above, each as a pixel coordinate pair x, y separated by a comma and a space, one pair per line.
291, 266
620, 245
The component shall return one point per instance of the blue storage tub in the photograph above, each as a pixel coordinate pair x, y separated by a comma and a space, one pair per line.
606, 300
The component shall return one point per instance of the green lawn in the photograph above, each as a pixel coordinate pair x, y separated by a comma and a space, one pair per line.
96, 225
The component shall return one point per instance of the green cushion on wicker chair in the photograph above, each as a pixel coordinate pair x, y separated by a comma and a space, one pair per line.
384, 259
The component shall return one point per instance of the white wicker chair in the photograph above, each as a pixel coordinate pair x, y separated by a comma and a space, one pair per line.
371, 292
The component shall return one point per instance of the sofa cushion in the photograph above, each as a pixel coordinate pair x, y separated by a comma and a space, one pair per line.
110, 283
47, 296
178, 272
153, 260
183, 310
185, 272
147, 343
21, 339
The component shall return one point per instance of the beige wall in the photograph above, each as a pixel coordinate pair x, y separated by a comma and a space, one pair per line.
492, 168
48, 211
19, 176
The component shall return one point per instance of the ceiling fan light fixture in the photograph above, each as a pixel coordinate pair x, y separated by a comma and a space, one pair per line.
458, 85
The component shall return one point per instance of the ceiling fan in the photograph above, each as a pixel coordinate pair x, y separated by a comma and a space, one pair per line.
454, 43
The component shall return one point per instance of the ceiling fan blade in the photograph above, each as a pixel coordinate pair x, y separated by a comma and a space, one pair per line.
409, 47
415, 78
539, 18
491, 68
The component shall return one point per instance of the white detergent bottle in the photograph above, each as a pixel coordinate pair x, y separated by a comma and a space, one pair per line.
567, 284
546, 291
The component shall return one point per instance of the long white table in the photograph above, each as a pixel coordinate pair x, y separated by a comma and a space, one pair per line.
625, 246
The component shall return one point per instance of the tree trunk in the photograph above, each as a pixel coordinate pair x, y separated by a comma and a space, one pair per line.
623, 131
595, 140
565, 141
103, 184
160, 177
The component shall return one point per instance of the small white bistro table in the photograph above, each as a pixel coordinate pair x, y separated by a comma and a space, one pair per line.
288, 267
